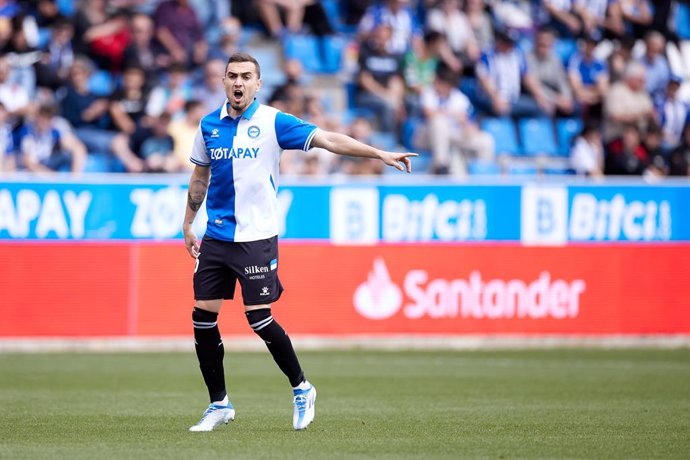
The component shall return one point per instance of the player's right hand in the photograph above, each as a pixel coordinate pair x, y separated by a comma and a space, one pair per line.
192, 243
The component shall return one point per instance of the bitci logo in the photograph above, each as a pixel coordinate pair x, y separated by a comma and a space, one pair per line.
378, 297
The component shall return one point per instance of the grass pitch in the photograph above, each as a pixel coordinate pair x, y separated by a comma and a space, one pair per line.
383, 405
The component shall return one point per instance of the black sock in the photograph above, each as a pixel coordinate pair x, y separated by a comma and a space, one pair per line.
210, 351
278, 343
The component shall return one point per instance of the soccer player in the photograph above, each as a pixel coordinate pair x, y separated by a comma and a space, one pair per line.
236, 154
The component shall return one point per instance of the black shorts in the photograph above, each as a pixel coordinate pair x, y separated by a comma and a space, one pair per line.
221, 263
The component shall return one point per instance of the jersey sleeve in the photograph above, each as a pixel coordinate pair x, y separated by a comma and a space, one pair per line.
199, 154
293, 133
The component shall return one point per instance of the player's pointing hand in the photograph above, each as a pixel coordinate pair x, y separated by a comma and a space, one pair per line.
398, 159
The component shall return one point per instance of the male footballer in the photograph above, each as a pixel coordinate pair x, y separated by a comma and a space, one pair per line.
236, 153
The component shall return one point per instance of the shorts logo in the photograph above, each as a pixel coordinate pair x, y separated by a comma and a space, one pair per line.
214, 132
264, 291
253, 131
274, 264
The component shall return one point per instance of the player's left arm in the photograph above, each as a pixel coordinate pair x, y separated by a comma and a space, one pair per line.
345, 145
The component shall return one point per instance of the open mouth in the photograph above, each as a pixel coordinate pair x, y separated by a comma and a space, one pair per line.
237, 95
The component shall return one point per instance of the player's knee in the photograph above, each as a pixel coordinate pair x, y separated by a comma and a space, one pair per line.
203, 319
259, 319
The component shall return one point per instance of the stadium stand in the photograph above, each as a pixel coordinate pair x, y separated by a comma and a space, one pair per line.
327, 43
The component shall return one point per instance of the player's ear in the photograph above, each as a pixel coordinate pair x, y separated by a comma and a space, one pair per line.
259, 82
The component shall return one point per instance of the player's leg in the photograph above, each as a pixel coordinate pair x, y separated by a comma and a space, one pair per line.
277, 341
256, 265
211, 285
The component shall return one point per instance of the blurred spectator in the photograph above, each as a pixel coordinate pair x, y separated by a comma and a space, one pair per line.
179, 31
43, 148
548, 70
183, 131
588, 78
620, 57
7, 151
297, 13
653, 145
211, 89
560, 15
229, 42
658, 72
587, 154
419, 65
101, 36
664, 17
46, 13
143, 51
502, 73
88, 115
625, 154
515, 14
637, 15
361, 130
128, 104
448, 19
12, 96
627, 103
381, 86
673, 114
599, 17
158, 150
396, 14
291, 89
679, 160
22, 56
172, 94
450, 133
480, 22
53, 68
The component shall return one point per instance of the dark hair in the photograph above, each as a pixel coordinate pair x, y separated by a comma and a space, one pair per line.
191, 105
245, 57
447, 75
47, 110
433, 36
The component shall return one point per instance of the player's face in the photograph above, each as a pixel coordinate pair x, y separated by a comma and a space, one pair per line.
241, 84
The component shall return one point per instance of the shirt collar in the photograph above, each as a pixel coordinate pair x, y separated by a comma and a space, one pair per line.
247, 114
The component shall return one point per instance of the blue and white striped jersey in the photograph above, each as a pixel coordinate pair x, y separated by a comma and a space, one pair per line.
243, 154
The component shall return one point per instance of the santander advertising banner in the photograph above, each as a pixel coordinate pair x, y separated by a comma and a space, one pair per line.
145, 289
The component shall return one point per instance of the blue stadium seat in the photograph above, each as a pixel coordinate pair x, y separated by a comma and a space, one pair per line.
101, 83
384, 141
537, 136
683, 21
567, 129
479, 167
522, 169
470, 88
504, 134
317, 54
565, 48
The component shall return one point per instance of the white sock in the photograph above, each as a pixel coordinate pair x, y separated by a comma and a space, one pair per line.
224, 402
305, 385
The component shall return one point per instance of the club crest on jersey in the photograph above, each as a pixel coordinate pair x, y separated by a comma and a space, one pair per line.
214, 132
253, 131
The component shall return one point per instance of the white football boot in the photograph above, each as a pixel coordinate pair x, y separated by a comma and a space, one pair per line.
214, 416
304, 401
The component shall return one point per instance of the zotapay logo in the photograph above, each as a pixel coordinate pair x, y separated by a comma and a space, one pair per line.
224, 153
380, 298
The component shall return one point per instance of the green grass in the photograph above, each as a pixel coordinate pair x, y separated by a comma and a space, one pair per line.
384, 405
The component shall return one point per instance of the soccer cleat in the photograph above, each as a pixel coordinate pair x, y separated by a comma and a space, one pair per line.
304, 401
214, 416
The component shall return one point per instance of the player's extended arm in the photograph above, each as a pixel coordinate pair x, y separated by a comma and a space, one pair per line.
345, 145
198, 185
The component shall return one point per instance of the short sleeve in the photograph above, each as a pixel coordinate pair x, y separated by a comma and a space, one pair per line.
293, 133
199, 154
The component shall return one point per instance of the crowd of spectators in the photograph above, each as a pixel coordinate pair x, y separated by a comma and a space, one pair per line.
120, 86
